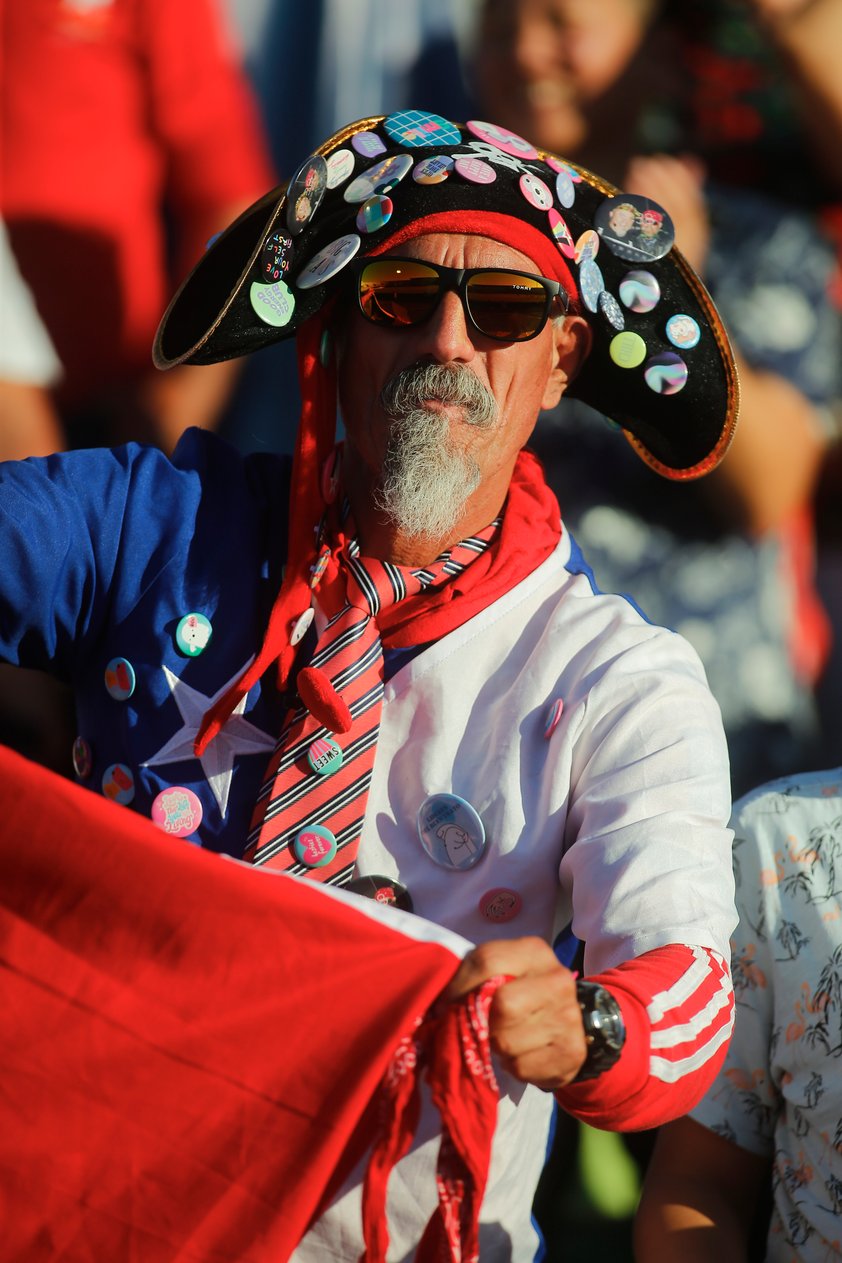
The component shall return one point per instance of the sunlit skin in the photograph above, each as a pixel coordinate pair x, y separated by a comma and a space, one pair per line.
524, 378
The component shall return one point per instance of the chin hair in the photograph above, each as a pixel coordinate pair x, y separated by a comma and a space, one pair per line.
426, 480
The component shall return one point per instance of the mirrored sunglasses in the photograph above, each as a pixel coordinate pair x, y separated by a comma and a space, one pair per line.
499, 303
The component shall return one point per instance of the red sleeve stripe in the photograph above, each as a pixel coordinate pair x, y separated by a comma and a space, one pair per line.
692, 1019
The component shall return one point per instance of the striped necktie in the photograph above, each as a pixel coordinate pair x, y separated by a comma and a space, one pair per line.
310, 811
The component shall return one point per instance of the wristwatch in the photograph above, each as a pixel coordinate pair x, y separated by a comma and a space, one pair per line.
605, 1031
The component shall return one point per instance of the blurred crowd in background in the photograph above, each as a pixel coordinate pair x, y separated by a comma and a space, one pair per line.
134, 130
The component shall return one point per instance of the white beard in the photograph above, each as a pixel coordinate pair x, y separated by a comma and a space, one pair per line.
426, 480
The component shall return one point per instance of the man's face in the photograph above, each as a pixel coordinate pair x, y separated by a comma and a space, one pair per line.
521, 378
621, 220
649, 227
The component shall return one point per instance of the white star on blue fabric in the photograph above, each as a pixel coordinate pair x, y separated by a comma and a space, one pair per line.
237, 736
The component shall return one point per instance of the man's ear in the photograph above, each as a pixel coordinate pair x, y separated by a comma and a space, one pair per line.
572, 339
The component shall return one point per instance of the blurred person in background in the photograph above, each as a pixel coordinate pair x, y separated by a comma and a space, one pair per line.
730, 564
131, 137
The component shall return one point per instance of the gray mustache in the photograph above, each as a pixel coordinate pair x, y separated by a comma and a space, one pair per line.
449, 384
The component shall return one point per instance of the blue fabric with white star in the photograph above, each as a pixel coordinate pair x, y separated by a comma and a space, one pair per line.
101, 554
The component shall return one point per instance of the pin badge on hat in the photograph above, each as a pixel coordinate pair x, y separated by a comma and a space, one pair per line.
587, 246
340, 164
561, 234
501, 138
374, 213
304, 193
475, 170
535, 191
433, 170
627, 349
612, 311
640, 291
565, 189
369, 144
417, 129
683, 331
275, 256
328, 261
666, 374
380, 178
451, 831
634, 227
274, 304
591, 283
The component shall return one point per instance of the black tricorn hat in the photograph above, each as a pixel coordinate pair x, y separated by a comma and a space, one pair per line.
660, 366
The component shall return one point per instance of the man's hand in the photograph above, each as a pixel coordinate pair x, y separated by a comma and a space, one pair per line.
535, 1020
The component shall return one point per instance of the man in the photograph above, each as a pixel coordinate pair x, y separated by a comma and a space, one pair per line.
467, 728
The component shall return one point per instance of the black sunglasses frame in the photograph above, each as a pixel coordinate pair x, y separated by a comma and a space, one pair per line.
457, 279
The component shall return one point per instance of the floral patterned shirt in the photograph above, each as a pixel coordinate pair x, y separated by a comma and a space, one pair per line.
779, 1093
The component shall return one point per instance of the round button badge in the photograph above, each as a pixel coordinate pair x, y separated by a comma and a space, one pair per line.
508, 141
634, 228
314, 846
192, 635
386, 890
451, 831
535, 191
587, 246
368, 144
324, 756
305, 192
591, 284
118, 783
418, 129
301, 625
683, 331
326, 262
475, 170
375, 213
565, 189
612, 311
562, 235
432, 170
666, 374
553, 717
379, 179
83, 760
627, 350
640, 291
275, 256
274, 304
177, 811
340, 164
120, 679
500, 904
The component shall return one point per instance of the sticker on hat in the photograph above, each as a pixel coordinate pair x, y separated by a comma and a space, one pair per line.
328, 261
475, 170
305, 191
535, 191
375, 213
381, 178
639, 291
433, 170
369, 144
683, 331
501, 138
274, 304
417, 129
666, 374
275, 257
591, 284
340, 164
561, 234
634, 227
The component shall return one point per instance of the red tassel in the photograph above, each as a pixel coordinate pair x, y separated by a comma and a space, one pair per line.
322, 700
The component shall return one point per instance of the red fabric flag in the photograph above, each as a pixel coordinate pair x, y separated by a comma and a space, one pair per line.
188, 1045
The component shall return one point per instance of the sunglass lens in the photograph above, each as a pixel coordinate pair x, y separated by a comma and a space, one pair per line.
398, 292
506, 305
